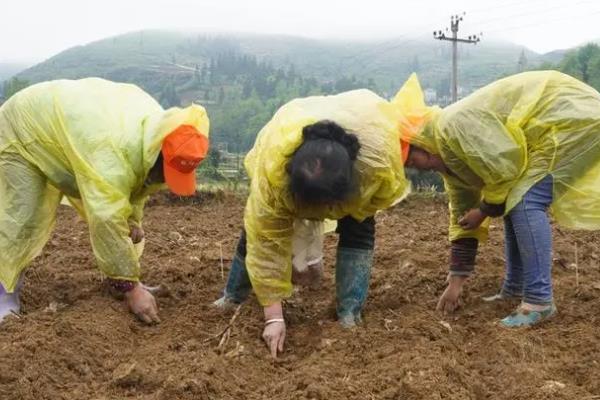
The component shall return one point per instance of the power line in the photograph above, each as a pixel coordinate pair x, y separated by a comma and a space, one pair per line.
505, 6
545, 22
391, 43
536, 12
369, 56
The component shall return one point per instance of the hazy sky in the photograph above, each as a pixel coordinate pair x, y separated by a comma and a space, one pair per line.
32, 30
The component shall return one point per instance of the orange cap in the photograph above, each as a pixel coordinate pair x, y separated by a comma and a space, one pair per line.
183, 150
405, 146
409, 128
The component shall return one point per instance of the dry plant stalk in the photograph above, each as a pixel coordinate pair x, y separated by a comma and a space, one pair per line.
225, 334
576, 265
221, 254
227, 331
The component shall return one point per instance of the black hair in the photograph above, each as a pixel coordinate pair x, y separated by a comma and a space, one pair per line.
156, 173
322, 168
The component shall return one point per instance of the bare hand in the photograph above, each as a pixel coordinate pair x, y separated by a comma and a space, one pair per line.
472, 219
274, 337
142, 303
274, 332
449, 301
136, 233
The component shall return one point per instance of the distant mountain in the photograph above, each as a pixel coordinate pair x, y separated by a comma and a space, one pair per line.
555, 56
9, 69
242, 79
142, 56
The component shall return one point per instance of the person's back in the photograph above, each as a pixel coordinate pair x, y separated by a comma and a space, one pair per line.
524, 127
536, 102
91, 126
378, 166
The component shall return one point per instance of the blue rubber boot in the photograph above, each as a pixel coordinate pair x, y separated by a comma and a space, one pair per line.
238, 285
525, 318
352, 274
9, 302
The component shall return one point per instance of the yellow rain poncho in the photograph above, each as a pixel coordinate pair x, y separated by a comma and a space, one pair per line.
502, 139
270, 211
93, 141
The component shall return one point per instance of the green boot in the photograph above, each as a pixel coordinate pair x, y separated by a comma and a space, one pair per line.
352, 274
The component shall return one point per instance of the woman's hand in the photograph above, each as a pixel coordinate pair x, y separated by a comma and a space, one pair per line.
142, 303
472, 219
449, 301
136, 233
274, 332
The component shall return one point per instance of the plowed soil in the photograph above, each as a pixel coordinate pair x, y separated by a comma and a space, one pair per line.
75, 341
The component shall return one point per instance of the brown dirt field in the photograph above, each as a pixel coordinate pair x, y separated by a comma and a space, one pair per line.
74, 341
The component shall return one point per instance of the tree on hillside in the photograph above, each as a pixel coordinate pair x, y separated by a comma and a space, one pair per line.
522, 64
246, 89
291, 74
204, 73
210, 167
212, 70
584, 64
214, 157
221, 95
443, 88
12, 86
197, 76
169, 97
546, 66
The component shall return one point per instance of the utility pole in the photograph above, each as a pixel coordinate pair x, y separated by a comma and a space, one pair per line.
473, 39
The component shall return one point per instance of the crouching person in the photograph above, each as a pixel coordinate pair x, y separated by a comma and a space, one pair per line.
106, 147
330, 157
520, 148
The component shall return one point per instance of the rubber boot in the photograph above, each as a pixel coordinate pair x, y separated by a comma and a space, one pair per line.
238, 285
352, 274
10, 303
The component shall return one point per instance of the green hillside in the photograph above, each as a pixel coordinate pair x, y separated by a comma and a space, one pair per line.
140, 56
243, 79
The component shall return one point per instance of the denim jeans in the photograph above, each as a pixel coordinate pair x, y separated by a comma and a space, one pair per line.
238, 285
528, 246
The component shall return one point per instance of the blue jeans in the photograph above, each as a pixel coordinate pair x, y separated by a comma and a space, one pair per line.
528, 246
238, 285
